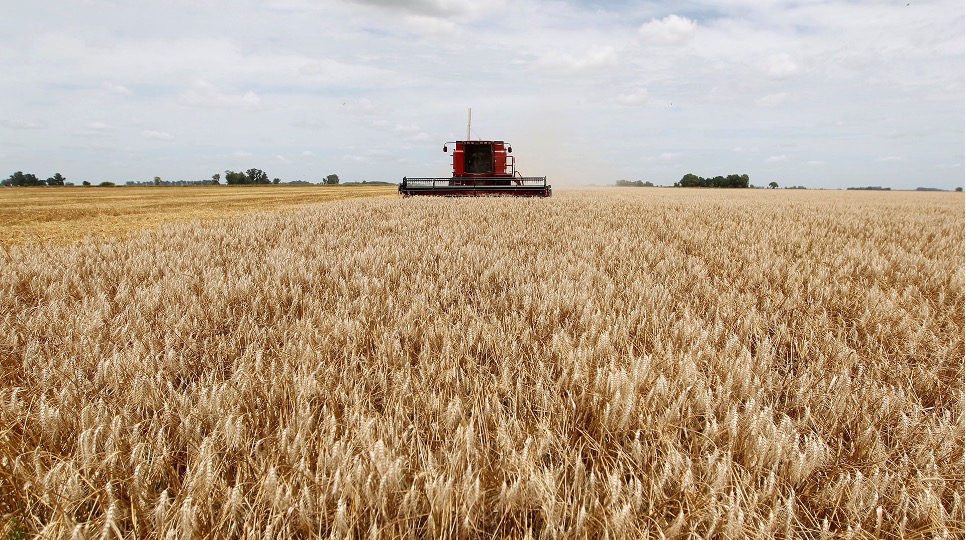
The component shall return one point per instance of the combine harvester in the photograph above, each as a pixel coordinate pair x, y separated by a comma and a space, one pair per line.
480, 168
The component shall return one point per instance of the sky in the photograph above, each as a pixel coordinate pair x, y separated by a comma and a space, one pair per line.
822, 94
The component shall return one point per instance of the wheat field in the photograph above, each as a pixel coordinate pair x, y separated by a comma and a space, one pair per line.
619, 363
62, 215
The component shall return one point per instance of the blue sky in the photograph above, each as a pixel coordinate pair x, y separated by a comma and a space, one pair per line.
821, 94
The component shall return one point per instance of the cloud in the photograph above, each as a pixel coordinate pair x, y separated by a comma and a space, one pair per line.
411, 132
886, 79
776, 159
593, 59
153, 135
671, 30
774, 100
315, 124
438, 8
206, 95
664, 156
633, 97
22, 124
890, 158
780, 66
362, 107
95, 129
118, 89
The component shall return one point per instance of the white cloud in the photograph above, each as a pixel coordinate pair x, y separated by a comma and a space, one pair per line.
774, 100
670, 30
22, 124
780, 66
776, 159
362, 107
663, 157
154, 135
95, 129
634, 97
410, 132
568, 82
118, 89
439, 8
315, 124
206, 95
593, 59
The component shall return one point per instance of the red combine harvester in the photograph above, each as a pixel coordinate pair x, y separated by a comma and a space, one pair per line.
480, 168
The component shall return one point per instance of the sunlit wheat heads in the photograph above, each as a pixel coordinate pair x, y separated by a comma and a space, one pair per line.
634, 363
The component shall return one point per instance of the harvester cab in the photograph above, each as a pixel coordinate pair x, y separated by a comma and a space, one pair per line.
480, 168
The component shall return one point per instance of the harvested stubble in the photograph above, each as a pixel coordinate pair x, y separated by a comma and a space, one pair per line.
624, 363
66, 214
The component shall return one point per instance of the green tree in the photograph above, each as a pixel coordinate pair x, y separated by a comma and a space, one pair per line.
86, 183
731, 181
332, 179
276, 181
216, 178
56, 180
773, 185
232, 177
691, 180
959, 189
257, 176
20, 179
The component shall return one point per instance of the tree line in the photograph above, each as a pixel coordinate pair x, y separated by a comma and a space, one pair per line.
20, 179
251, 176
730, 181
634, 183
258, 176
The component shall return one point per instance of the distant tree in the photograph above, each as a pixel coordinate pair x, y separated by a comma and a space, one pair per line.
773, 185
86, 183
332, 179
691, 180
20, 179
634, 183
960, 189
276, 181
157, 180
106, 184
232, 177
731, 181
216, 178
257, 176
56, 180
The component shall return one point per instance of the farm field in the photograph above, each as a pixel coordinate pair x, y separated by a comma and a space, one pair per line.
63, 215
622, 363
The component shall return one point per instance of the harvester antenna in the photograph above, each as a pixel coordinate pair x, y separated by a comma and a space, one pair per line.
469, 120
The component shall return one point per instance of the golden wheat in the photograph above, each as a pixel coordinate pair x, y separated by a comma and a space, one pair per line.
66, 214
619, 363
